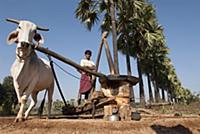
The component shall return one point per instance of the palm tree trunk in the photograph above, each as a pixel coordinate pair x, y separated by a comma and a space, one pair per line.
141, 85
163, 94
129, 72
156, 90
168, 95
114, 36
150, 89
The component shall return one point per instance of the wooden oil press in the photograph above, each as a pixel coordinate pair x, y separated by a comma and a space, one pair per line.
115, 92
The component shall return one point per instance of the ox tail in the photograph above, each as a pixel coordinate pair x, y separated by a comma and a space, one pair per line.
40, 109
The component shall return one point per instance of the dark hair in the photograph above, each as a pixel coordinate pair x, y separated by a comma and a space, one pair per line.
88, 52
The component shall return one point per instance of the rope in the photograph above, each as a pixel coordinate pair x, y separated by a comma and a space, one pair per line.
66, 71
49, 57
69, 72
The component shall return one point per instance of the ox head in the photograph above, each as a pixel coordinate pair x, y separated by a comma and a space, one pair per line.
24, 35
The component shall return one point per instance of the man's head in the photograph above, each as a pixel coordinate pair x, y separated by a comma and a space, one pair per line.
88, 54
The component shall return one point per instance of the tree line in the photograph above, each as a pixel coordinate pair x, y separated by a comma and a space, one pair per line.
8, 97
9, 102
139, 36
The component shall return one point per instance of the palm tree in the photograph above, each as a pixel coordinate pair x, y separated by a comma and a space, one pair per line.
150, 50
124, 39
88, 12
145, 37
114, 36
128, 11
155, 66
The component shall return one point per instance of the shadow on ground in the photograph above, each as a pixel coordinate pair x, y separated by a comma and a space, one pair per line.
179, 129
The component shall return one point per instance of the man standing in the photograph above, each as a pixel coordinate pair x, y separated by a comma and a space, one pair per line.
86, 79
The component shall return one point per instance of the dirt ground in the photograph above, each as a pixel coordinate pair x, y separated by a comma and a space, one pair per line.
147, 125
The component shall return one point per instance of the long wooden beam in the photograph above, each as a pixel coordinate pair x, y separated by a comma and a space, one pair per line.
66, 60
133, 80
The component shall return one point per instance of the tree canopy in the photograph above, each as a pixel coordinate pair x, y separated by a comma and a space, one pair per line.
8, 97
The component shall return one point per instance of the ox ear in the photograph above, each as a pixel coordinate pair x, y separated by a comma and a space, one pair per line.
12, 37
39, 38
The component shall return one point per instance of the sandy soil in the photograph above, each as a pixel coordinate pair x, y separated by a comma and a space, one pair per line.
155, 125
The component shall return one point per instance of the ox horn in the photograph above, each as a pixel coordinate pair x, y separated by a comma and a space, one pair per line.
42, 29
13, 20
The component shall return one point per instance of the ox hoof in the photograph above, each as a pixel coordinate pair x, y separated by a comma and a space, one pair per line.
19, 120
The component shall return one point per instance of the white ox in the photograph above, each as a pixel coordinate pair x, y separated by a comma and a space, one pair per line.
30, 73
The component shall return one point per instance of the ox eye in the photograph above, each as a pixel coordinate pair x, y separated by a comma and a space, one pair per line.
27, 45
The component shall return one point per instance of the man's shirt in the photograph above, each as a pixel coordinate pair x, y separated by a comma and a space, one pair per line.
87, 63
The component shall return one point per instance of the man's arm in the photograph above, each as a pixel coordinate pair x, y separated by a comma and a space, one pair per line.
81, 64
93, 67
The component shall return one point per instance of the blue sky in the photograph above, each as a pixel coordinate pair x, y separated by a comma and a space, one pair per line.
180, 19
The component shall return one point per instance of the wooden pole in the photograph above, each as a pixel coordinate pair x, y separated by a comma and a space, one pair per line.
57, 83
109, 57
66, 60
104, 35
97, 63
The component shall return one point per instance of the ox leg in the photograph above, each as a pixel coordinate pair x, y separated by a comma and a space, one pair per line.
17, 92
24, 98
50, 95
21, 110
33, 103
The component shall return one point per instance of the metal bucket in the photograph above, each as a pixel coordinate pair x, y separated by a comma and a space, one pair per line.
113, 117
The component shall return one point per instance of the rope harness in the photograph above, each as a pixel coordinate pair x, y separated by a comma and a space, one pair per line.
66, 72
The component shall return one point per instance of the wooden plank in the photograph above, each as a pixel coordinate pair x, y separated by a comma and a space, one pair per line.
89, 107
105, 102
128, 78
